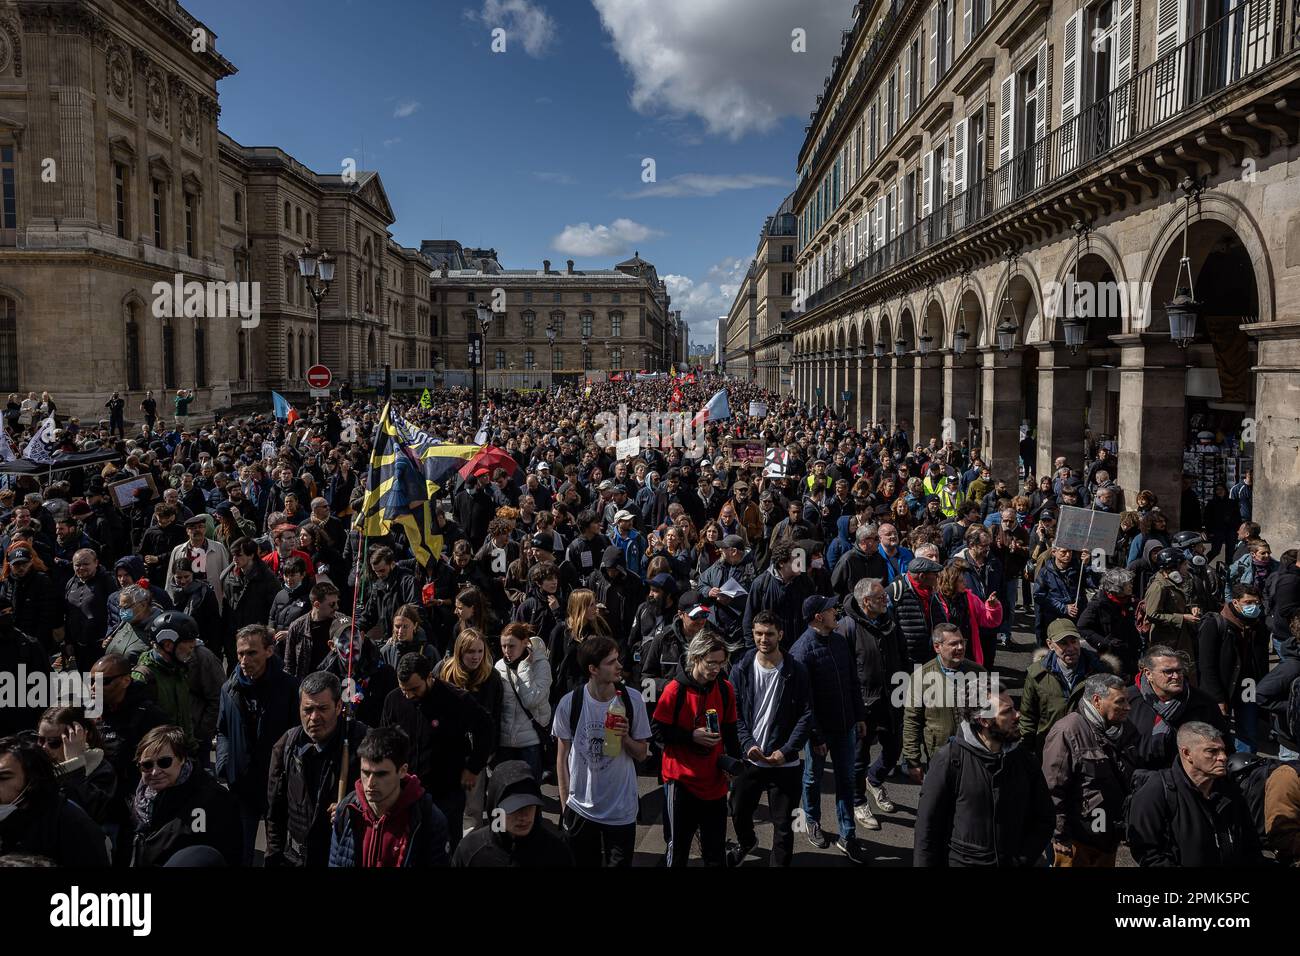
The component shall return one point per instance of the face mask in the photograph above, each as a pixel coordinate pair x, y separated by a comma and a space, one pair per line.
818, 563
1176, 577
1252, 610
1198, 560
125, 613
8, 808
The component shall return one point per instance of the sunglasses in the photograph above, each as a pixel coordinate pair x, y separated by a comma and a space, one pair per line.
162, 763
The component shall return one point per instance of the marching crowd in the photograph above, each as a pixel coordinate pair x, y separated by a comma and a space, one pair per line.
267, 677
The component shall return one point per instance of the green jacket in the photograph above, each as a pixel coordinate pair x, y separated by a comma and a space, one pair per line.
977, 489
128, 640
1044, 700
169, 683
1165, 606
929, 711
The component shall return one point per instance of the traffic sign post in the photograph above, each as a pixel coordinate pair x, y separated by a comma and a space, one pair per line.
319, 378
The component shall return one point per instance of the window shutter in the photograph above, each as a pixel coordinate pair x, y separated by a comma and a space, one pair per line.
908, 105
927, 183
1072, 67
959, 157
951, 40
933, 47
967, 21
1006, 121
1171, 30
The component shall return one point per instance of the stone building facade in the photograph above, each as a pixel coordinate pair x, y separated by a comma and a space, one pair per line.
604, 319
757, 341
117, 183
994, 201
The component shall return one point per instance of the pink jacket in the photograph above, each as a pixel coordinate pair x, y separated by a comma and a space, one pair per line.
979, 615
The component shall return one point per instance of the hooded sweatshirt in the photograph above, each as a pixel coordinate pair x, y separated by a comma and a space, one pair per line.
680, 711
386, 839
842, 543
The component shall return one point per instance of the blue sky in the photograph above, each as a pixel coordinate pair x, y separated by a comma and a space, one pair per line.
540, 150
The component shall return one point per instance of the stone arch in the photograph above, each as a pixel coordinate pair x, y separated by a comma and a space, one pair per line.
1213, 207
1026, 295
933, 322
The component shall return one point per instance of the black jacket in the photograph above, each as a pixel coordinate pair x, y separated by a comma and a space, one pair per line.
662, 655
288, 606
303, 783
1286, 602
792, 724
1171, 823
19, 650
123, 729
621, 599
441, 726
1221, 665
1109, 627
982, 809
86, 606
543, 848
174, 823
37, 605
248, 597
56, 828
383, 598
1157, 751
878, 649
915, 619
854, 566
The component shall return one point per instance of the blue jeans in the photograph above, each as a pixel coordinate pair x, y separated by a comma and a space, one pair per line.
841, 748
1247, 726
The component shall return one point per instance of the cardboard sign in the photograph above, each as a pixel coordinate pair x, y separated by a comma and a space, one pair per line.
1082, 529
628, 448
123, 492
758, 410
744, 452
775, 463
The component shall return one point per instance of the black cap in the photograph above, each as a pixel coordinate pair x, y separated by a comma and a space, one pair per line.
613, 557
817, 603
543, 542
924, 566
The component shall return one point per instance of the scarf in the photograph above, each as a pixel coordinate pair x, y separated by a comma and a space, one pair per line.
1098, 722
142, 801
1166, 710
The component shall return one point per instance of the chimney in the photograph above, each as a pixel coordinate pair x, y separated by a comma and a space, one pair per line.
569, 262
546, 266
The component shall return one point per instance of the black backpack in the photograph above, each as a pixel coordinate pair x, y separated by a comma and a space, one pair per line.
578, 697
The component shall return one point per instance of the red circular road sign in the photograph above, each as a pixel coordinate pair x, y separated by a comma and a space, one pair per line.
318, 376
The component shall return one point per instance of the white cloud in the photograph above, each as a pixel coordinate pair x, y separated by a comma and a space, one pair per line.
705, 184
405, 109
584, 239
524, 22
729, 62
703, 301
392, 142
558, 179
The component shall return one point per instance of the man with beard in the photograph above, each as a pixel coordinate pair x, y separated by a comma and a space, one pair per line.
984, 801
619, 591
735, 568
1161, 701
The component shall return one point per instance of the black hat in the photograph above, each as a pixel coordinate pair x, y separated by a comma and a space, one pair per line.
195, 520
613, 557
542, 541
19, 555
817, 603
664, 582
734, 541
923, 566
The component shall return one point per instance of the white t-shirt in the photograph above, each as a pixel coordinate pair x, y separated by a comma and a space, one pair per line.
767, 697
602, 789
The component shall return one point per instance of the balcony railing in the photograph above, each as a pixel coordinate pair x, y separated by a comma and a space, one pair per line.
1225, 53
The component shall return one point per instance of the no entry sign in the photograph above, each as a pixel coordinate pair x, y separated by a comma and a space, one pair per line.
318, 376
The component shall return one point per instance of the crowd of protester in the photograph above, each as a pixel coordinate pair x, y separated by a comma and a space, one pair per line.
725, 627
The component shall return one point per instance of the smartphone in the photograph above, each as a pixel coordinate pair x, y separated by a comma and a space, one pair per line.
711, 721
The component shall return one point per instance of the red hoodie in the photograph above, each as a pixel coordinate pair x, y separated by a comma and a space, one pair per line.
386, 838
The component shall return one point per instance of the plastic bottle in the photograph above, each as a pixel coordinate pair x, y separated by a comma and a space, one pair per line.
613, 745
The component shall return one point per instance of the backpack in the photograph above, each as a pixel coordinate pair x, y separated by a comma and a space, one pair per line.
1292, 713
680, 700
578, 697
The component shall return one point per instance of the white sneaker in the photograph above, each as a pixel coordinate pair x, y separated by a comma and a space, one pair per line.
883, 803
865, 817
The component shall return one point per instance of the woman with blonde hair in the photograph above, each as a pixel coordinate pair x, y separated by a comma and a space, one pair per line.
469, 667
584, 618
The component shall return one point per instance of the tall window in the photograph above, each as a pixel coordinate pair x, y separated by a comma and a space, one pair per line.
500, 358
617, 298
616, 324
615, 358
586, 359
169, 355
241, 372
157, 201
297, 220
200, 356
555, 297
288, 214
528, 297
530, 324
530, 359
587, 319
288, 357
8, 197
119, 199
557, 359
239, 207
586, 297
308, 225
132, 349
189, 224
8, 343
501, 323
302, 354
557, 320
787, 283
787, 253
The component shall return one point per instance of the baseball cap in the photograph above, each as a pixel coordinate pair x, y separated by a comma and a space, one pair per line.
543, 467
688, 600
606, 485
19, 555
543, 542
625, 515
1062, 627
664, 582
818, 603
522, 794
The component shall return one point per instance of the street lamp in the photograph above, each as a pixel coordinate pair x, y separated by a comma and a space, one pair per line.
1006, 336
1183, 308
878, 350
925, 342
1008, 327
900, 346
316, 265
1076, 328
959, 339
485, 323
550, 337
